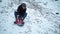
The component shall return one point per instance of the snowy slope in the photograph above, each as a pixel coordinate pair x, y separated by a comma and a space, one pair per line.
41, 17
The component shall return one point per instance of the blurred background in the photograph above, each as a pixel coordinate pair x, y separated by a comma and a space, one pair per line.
43, 17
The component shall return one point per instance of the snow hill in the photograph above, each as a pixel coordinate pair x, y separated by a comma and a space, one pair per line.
43, 17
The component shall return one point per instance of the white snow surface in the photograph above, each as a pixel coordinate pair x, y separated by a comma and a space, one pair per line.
41, 17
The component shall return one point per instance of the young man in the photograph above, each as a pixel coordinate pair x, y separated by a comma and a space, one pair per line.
21, 11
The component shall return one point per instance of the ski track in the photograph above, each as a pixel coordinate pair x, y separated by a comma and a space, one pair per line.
41, 17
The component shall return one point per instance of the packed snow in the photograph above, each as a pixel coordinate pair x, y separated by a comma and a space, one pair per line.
43, 17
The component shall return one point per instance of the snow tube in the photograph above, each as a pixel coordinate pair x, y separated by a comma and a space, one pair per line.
19, 21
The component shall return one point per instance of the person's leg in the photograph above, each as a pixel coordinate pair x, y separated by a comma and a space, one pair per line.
24, 15
15, 13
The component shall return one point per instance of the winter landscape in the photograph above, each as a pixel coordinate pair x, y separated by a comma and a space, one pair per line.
43, 17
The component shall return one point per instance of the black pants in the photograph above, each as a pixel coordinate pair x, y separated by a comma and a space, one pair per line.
23, 16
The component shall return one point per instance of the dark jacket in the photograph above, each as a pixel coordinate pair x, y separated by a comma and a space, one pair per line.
21, 11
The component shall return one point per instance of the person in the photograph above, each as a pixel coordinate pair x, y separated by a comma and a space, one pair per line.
21, 11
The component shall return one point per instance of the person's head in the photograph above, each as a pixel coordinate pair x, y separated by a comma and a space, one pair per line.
23, 5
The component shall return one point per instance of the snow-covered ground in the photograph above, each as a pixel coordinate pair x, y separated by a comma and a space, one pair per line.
41, 17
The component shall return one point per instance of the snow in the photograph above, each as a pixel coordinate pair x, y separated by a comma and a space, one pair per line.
41, 17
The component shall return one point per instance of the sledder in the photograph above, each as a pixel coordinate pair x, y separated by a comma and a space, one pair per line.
20, 14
